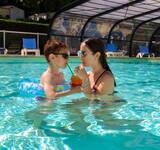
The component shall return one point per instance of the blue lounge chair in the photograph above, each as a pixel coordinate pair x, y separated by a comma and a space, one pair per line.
112, 50
29, 45
3, 50
143, 50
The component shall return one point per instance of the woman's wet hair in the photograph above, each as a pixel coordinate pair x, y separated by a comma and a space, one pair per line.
97, 45
53, 46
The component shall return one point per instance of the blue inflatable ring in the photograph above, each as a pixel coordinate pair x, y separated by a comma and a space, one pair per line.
29, 87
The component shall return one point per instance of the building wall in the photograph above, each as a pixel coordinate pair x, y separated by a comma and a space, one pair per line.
16, 13
4, 12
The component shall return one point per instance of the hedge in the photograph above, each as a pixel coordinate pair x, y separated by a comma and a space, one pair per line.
23, 26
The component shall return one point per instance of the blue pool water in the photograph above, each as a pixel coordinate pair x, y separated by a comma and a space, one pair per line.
74, 122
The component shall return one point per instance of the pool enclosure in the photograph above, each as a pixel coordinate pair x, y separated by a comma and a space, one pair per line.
126, 23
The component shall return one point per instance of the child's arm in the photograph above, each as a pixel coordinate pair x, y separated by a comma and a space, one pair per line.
50, 94
49, 91
69, 92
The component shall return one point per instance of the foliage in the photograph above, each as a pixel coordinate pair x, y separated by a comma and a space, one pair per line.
23, 26
36, 6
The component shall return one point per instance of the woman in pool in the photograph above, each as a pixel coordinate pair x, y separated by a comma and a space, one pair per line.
56, 54
100, 81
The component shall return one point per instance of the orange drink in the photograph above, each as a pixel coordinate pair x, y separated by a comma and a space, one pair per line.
75, 81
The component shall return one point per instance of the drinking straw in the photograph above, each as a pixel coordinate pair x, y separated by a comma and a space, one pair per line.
70, 69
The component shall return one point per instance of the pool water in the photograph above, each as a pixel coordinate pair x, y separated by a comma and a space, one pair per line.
75, 122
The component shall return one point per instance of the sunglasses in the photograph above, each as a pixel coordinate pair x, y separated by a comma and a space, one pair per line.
64, 55
81, 53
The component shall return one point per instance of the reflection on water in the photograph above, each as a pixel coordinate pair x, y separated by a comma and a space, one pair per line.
79, 116
74, 122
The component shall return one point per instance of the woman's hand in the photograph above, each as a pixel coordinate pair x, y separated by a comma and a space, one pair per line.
76, 89
81, 72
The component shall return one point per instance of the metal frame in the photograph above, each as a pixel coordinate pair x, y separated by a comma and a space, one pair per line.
134, 31
80, 5
106, 12
152, 36
129, 18
65, 8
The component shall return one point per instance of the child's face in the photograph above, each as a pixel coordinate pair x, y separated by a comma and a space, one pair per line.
61, 58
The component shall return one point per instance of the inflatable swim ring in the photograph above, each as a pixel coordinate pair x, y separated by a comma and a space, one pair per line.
29, 87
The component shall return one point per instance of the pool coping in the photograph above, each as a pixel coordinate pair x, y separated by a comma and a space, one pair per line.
42, 56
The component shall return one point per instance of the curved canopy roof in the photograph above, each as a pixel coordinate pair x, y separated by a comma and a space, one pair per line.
116, 10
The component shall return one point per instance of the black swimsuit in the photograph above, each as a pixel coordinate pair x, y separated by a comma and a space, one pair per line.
94, 89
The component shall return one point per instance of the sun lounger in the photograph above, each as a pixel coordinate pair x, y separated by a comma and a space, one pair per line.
29, 45
3, 51
144, 51
112, 50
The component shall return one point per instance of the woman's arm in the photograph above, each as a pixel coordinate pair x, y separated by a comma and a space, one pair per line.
86, 86
103, 88
84, 76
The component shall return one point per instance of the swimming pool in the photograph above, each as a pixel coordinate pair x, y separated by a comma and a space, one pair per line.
75, 123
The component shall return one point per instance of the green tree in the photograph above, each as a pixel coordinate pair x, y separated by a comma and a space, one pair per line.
36, 6
53, 5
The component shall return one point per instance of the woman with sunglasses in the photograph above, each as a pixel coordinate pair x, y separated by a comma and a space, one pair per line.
57, 55
100, 80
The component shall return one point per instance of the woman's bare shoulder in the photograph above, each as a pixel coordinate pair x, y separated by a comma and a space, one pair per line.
108, 77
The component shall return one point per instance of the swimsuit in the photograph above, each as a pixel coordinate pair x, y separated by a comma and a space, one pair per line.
94, 89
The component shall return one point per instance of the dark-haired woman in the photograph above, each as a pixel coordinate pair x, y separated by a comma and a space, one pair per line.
100, 80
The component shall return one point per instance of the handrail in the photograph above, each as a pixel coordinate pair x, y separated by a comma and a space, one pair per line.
19, 32
8, 31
